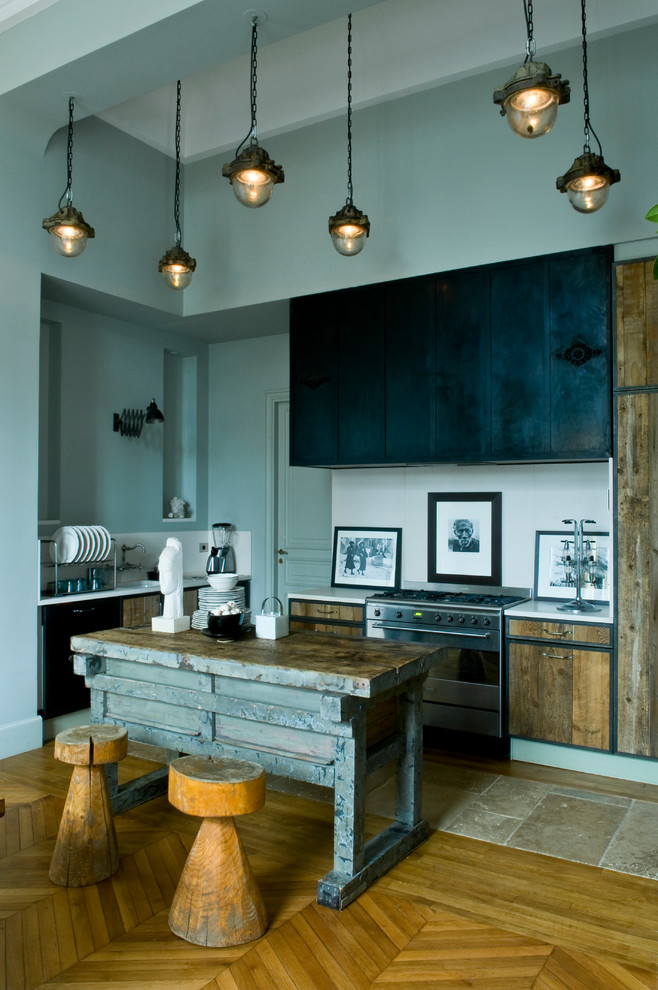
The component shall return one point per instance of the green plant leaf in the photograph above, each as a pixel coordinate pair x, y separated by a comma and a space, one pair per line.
655, 270
652, 215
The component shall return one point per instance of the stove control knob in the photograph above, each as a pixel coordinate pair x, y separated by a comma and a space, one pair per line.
378, 611
437, 618
486, 622
449, 618
462, 619
474, 621
398, 615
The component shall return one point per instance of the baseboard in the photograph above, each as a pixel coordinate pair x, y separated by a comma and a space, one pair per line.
19, 737
637, 768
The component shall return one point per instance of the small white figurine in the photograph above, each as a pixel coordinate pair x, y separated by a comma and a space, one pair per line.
170, 567
177, 506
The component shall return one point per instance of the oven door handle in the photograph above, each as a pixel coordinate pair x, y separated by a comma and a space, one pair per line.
432, 629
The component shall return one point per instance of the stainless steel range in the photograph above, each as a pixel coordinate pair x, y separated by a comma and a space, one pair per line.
464, 691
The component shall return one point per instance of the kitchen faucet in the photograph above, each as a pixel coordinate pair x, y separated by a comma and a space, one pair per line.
126, 565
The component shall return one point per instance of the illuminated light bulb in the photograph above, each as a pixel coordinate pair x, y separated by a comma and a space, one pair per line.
177, 268
532, 112
588, 194
252, 188
349, 229
68, 241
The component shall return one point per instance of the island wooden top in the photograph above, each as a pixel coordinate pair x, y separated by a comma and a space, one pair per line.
346, 665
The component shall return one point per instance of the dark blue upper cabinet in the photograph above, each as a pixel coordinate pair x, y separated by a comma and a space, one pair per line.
508, 362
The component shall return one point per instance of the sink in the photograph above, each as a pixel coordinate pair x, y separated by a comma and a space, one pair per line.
139, 584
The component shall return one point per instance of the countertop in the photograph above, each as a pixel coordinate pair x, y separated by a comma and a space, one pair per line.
540, 609
126, 590
349, 596
325, 664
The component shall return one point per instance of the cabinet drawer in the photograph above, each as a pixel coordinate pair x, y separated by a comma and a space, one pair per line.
568, 632
139, 611
306, 625
331, 611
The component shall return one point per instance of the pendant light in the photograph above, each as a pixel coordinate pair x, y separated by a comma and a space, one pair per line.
252, 172
176, 265
349, 227
530, 99
67, 228
588, 181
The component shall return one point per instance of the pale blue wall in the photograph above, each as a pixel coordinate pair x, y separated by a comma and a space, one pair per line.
109, 365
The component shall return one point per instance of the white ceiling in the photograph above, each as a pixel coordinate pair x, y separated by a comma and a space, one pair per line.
122, 60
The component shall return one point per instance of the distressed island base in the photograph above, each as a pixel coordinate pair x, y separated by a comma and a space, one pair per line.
323, 709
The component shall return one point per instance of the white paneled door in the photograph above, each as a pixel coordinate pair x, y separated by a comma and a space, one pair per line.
300, 523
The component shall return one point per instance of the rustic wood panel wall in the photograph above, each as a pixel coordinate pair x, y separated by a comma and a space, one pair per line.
637, 510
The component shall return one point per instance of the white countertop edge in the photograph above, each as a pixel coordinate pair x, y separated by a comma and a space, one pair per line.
126, 591
350, 596
540, 609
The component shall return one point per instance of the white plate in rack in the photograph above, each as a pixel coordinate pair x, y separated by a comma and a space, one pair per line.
104, 542
94, 542
65, 545
83, 550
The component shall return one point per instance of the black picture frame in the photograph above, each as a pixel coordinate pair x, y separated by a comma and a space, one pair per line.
549, 584
468, 554
381, 565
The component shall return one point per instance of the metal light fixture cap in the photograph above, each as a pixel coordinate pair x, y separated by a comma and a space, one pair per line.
68, 216
349, 214
254, 157
177, 256
587, 164
533, 75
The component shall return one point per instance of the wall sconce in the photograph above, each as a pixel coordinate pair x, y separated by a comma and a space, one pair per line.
349, 227
68, 230
131, 421
531, 97
176, 265
252, 173
588, 181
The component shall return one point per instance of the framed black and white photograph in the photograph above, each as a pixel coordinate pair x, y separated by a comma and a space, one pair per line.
366, 557
464, 537
555, 574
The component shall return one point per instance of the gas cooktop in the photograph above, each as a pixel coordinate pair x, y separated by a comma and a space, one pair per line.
449, 597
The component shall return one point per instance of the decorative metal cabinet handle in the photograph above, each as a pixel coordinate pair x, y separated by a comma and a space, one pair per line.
557, 635
556, 656
326, 609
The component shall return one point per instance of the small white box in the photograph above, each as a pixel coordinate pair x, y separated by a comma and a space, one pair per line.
272, 625
160, 623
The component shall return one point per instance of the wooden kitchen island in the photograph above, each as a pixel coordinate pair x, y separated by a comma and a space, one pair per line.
323, 709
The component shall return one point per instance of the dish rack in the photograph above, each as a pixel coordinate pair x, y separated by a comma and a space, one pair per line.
55, 588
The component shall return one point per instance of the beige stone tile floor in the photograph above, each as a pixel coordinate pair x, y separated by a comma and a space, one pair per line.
604, 829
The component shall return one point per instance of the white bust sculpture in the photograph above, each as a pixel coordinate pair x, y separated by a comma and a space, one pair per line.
170, 566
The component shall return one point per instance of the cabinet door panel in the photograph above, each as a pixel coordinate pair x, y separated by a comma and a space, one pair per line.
410, 371
580, 314
314, 379
519, 380
361, 377
463, 361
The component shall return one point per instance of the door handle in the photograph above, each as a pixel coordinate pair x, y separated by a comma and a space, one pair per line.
282, 551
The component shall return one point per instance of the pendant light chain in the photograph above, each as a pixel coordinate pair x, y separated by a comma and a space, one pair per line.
588, 126
350, 189
69, 161
177, 189
254, 75
530, 47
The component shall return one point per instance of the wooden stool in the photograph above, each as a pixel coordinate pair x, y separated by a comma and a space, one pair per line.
86, 850
217, 901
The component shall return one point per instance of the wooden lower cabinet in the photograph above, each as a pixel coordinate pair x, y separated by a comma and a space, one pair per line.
330, 617
139, 611
559, 687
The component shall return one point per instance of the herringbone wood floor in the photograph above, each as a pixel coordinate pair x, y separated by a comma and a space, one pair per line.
456, 913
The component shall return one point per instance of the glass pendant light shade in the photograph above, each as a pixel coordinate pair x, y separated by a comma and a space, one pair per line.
68, 231
177, 267
253, 176
530, 99
349, 229
587, 183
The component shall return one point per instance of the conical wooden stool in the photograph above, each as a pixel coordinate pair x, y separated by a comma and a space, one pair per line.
86, 850
217, 901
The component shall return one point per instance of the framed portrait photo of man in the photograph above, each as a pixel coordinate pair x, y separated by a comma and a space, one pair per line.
464, 537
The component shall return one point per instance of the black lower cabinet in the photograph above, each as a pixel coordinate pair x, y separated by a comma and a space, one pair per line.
64, 691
